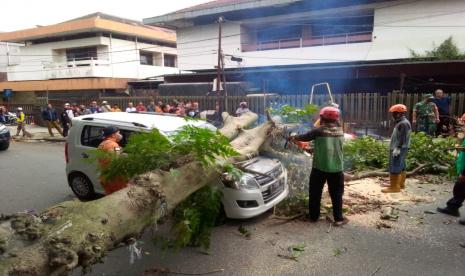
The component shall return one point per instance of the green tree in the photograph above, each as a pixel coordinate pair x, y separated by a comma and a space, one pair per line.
447, 50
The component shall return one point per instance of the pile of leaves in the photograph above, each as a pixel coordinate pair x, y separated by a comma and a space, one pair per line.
197, 215
367, 153
291, 114
149, 151
427, 150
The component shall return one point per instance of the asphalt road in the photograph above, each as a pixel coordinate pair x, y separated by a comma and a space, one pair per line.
32, 176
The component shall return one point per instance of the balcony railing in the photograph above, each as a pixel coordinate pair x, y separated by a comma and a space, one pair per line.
77, 63
78, 68
309, 42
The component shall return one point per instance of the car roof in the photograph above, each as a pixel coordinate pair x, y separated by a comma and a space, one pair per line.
162, 122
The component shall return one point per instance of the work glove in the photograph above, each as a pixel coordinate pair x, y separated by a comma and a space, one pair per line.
396, 152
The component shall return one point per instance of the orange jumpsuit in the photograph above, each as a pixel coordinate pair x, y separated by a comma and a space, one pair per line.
117, 182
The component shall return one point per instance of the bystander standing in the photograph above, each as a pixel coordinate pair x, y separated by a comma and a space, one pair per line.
131, 108
443, 104
21, 120
50, 116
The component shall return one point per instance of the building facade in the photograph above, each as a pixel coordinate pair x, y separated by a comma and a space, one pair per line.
297, 32
97, 52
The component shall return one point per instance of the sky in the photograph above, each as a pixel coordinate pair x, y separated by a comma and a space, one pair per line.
23, 14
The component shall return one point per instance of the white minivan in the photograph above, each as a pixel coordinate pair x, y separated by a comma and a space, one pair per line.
251, 196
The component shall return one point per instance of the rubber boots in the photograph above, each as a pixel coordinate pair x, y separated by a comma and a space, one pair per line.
403, 175
395, 180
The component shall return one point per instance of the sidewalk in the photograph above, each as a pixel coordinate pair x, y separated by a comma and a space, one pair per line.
40, 134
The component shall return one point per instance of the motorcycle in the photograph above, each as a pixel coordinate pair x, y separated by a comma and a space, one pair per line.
10, 118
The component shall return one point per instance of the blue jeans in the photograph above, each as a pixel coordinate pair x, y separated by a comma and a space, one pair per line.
397, 164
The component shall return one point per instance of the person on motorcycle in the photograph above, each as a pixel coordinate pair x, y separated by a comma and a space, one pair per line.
327, 163
398, 148
426, 115
443, 104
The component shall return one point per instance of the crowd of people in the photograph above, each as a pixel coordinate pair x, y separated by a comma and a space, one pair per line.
63, 121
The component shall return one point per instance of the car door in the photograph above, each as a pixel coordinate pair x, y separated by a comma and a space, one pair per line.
87, 141
90, 139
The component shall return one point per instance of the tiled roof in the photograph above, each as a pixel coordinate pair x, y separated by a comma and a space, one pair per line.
92, 22
214, 4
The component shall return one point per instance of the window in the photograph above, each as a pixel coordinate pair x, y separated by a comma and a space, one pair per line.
85, 53
146, 58
274, 33
170, 60
308, 32
92, 136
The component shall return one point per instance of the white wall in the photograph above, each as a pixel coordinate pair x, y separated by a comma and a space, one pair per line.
436, 17
12, 49
116, 58
388, 42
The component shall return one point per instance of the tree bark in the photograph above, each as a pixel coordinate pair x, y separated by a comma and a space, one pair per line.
76, 233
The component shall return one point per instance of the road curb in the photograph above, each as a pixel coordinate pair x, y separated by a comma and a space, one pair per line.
39, 139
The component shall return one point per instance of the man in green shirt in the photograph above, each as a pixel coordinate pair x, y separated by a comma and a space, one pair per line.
426, 115
327, 164
458, 193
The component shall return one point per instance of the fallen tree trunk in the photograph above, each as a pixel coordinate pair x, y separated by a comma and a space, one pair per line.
233, 125
76, 233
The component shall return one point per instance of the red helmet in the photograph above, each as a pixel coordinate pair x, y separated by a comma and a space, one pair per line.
330, 113
398, 108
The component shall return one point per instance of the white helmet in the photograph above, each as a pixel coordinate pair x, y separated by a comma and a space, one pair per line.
19, 109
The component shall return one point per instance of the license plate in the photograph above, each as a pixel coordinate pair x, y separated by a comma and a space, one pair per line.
274, 186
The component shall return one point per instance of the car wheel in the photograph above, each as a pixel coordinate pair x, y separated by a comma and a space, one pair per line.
4, 146
81, 186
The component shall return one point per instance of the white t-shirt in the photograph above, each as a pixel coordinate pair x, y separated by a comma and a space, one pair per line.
131, 109
70, 113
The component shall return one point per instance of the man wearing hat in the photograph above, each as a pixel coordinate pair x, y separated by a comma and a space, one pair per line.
21, 120
243, 108
105, 107
110, 144
426, 115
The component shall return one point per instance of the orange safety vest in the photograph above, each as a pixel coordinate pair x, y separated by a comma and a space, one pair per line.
115, 183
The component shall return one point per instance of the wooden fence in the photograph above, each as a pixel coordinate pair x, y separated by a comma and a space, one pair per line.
369, 110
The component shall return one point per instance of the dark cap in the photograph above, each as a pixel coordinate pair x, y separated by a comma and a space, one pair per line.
109, 130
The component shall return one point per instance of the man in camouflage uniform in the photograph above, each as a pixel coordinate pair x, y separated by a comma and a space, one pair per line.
426, 115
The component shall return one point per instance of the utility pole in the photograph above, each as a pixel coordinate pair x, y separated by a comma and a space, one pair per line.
218, 69
225, 89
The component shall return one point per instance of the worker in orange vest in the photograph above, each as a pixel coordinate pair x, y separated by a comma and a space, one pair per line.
110, 144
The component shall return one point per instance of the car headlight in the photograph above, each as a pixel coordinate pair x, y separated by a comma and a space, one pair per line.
248, 182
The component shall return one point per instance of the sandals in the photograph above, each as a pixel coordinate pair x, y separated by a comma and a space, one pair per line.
341, 222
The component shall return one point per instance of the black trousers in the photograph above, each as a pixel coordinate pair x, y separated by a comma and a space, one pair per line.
458, 196
336, 190
444, 122
65, 129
